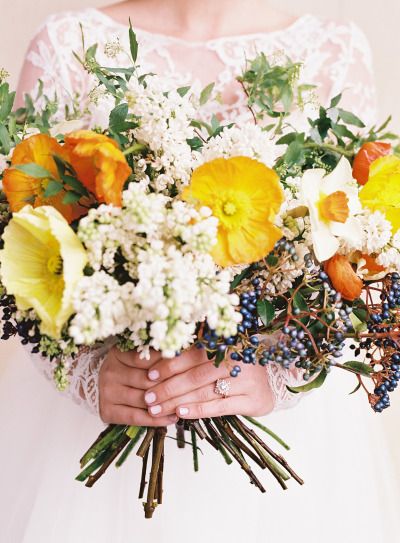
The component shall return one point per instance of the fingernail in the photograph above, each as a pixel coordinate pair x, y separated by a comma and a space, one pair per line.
154, 375
183, 411
155, 409
150, 397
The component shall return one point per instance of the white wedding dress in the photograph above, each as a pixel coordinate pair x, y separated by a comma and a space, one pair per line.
351, 491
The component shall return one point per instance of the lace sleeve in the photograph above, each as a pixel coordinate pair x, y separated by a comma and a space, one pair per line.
50, 59
83, 374
353, 75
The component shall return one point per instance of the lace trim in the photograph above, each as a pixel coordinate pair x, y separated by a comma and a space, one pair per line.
83, 375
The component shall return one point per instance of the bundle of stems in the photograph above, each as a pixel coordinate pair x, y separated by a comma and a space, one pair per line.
228, 435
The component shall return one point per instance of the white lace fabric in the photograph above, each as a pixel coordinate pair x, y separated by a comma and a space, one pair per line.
336, 57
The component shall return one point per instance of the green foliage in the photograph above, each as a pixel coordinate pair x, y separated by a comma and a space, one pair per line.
316, 383
266, 311
333, 134
360, 368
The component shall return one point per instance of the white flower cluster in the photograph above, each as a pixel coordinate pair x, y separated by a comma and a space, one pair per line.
375, 233
248, 140
154, 277
164, 118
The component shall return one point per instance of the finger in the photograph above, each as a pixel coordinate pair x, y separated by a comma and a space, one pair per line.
132, 416
234, 405
124, 395
201, 395
165, 368
183, 383
133, 377
133, 359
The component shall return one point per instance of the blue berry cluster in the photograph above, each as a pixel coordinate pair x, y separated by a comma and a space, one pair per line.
27, 330
388, 385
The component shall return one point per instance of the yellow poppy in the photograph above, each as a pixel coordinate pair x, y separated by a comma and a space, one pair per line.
382, 191
41, 264
245, 195
99, 163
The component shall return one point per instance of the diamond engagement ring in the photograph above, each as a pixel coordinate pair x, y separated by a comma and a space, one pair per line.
222, 387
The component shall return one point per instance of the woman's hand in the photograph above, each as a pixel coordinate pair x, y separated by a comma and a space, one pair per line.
186, 386
123, 381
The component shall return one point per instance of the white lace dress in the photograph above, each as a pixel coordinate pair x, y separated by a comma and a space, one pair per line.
47, 433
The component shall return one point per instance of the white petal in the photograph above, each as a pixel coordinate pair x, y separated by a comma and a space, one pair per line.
325, 243
350, 230
310, 185
339, 177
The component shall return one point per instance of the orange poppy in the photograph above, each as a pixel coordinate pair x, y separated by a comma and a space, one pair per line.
99, 164
368, 153
343, 277
21, 188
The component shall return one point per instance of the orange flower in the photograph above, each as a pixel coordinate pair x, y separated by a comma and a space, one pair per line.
99, 164
343, 277
368, 153
372, 265
22, 189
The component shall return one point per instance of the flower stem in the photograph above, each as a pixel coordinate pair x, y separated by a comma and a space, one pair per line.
329, 147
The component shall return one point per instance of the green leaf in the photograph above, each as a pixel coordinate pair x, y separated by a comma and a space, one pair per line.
195, 143
220, 356
206, 93
350, 118
316, 383
335, 100
358, 325
134, 46
34, 170
71, 197
182, 91
341, 131
75, 184
53, 188
294, 154
5, 140
118, 118
266, 311
287, 139
299, 302
272, 260
355, 390
360, 368
239, 277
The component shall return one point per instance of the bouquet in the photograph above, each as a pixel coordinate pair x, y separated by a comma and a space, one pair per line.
258, 243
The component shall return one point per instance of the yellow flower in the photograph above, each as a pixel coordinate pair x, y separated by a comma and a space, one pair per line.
382, 192
245, 195
41, 264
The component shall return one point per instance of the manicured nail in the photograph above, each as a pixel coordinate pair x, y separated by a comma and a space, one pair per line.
155, 409
183, 411
154, 375
150, 397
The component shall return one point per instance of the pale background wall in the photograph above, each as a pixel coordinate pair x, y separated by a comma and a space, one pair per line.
380, 21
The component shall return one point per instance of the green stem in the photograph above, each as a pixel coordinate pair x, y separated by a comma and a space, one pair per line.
129, 448
135, 149
268, 431
329, 147
99, 446
194, 448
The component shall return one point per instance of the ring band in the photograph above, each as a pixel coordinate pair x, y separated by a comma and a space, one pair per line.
222, 387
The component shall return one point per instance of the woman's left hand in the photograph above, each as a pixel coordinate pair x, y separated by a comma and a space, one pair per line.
185, 385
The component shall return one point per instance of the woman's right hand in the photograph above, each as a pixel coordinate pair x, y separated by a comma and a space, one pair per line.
123, 381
